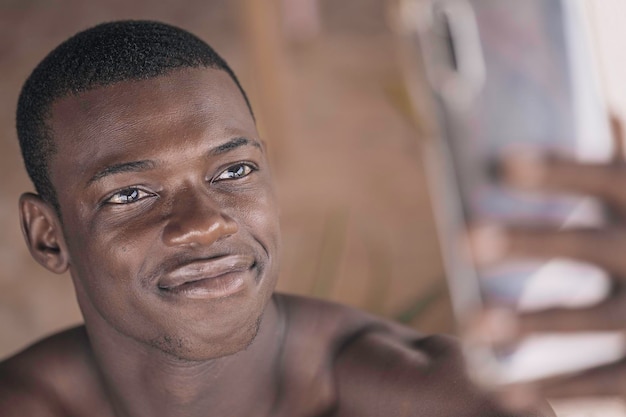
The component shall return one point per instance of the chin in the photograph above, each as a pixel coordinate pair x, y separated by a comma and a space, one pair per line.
198, 348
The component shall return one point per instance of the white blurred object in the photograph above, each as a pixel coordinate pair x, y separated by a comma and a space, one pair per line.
590, 407
609, 31
583, 284
536, 355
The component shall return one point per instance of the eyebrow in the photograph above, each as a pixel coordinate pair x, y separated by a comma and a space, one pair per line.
144, 165
134, 166
234, 144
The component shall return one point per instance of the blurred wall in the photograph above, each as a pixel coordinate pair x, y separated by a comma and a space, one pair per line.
356, 219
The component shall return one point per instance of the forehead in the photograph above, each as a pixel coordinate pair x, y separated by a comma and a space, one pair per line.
109, 122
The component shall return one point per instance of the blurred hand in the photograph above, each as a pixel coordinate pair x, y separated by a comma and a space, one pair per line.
604, 246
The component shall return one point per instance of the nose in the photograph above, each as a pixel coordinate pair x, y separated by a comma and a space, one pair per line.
196, 220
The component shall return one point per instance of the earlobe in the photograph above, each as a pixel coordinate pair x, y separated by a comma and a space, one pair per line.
43, 234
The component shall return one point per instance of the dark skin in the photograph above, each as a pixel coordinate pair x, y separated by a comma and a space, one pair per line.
169, 228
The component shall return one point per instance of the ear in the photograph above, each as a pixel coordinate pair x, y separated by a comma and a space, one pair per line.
42, 231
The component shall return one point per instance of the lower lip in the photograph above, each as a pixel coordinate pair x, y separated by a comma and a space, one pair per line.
209, 288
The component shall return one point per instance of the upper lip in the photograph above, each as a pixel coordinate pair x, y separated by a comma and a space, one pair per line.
205, 268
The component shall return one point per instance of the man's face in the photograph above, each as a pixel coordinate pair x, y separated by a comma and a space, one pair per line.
169, 214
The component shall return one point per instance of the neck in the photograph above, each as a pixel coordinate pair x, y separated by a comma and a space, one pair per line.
143, 381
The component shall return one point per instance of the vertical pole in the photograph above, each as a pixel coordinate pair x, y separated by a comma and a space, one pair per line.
268, 69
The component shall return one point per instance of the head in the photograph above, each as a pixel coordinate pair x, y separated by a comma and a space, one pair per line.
97, 57
153, 188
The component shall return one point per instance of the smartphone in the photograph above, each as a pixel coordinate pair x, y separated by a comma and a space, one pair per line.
507, 75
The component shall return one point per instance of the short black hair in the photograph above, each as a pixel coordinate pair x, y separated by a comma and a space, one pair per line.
100, 56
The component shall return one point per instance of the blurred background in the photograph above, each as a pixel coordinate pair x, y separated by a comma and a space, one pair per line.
325, 78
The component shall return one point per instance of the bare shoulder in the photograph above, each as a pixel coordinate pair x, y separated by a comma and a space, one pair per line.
38, 380
379, 367
333, 322
379, 373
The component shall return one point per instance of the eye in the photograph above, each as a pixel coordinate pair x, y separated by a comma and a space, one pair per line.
235, 171
127, 196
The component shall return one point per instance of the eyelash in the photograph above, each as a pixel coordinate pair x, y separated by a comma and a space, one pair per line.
248, 168
126, 192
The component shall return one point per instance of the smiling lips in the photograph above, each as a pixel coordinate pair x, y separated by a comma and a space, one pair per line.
208, 278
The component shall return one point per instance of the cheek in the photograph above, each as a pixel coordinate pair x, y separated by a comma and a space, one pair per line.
105, 271
262, 220
101, 265
105, 259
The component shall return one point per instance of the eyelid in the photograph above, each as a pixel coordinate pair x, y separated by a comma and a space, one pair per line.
109, 197
253, 167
